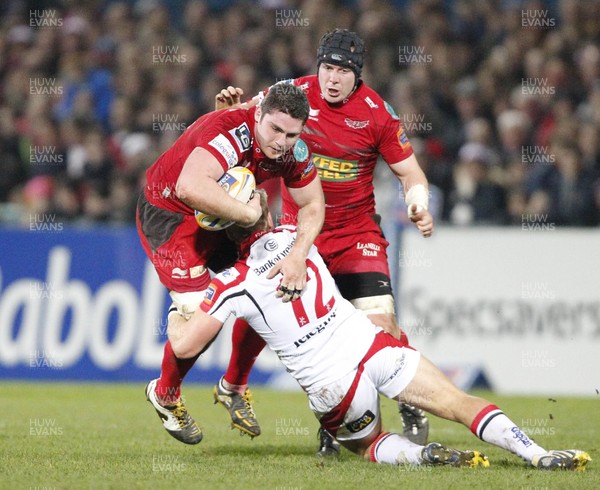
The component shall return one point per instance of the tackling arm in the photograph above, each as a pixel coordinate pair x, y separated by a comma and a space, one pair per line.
311, 213
415, 185
197, 187
189, 337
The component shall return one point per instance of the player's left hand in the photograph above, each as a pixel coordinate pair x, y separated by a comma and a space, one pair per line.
228, 97
422, 219
293, 270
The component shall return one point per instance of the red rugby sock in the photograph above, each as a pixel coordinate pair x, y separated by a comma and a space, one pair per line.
173, 370
246, 346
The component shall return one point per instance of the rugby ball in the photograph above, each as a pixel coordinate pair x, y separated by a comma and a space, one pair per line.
239, 183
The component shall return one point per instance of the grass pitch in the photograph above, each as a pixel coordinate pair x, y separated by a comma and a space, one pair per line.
59, 435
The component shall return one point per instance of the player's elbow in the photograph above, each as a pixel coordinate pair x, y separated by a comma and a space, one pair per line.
313, 213
183, 190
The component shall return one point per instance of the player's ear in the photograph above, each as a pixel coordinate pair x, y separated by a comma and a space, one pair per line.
270, 224
257, 114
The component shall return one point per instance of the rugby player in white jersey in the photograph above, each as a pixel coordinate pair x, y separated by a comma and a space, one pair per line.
343, 361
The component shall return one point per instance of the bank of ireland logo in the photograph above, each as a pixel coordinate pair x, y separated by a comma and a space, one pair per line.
300, 151
271, 246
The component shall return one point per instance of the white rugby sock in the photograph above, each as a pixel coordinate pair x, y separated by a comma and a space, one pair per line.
392, 448
491, 425
231, 388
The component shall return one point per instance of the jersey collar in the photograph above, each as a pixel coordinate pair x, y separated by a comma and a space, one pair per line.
247, 243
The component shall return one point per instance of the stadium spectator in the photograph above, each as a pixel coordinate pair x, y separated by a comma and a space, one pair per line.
475, 198
563, 188
101, 56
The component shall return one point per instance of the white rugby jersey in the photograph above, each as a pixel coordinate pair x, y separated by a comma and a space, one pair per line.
319, 337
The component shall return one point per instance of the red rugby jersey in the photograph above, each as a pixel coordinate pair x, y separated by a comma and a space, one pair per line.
346, 140
229, 136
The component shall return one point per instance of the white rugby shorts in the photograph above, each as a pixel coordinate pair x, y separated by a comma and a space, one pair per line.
349, 408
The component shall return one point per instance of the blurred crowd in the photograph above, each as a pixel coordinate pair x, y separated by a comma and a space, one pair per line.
501, 99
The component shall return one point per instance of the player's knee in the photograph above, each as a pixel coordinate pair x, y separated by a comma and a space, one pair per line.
381, 311
387, 322
175, 328
361, 447
183, 350
187, 303
376, 305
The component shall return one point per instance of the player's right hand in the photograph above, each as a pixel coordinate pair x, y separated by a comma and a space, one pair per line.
422, 219
254, 203
228, 97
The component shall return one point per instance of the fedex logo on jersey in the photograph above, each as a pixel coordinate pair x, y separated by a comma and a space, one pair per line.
334, 170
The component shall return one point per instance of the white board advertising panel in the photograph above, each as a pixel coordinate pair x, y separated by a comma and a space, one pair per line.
524, 305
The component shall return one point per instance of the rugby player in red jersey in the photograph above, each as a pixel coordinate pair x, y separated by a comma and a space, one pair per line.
348, 128
266, 140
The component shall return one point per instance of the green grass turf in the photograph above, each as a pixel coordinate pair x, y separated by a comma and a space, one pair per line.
59, 435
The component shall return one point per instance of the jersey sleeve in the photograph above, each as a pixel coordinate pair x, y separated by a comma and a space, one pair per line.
227, 138
393, 141
221, 298
214, 305
303, 171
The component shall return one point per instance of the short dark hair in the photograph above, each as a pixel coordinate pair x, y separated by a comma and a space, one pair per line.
287, 98
238, 234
